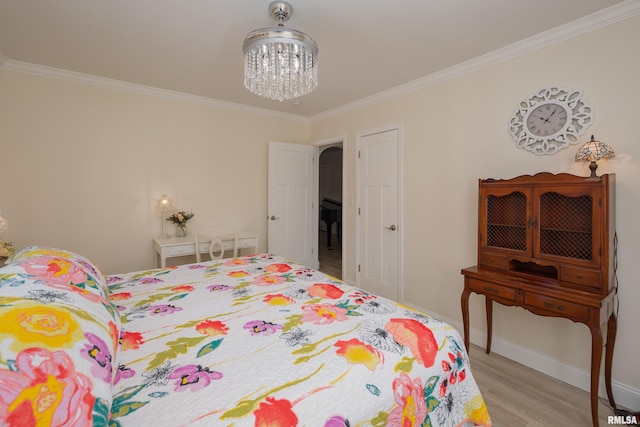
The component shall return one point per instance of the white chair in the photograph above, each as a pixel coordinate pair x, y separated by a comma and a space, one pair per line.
215, 244
235, 245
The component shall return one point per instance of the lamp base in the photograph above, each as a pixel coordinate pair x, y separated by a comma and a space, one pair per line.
593, 166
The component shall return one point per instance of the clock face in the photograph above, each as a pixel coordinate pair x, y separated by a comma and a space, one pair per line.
550, 120
547, 119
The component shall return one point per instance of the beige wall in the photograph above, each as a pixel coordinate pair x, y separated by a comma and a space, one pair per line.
83, 166
456, 132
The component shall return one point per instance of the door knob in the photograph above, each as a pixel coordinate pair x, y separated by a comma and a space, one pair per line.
273, 218
392, 228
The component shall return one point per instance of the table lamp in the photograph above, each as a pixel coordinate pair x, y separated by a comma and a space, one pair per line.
165, 206
593, 151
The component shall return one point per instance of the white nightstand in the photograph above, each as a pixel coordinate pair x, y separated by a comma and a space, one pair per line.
168, 247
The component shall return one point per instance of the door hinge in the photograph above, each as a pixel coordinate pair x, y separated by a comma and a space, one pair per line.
358, 211
358, 268
358, 153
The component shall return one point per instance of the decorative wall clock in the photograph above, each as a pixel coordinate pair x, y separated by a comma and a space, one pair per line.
550, 120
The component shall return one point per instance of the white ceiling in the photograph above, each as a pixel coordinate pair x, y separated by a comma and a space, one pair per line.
195, 46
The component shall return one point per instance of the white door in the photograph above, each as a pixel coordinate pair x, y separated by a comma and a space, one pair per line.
378, 220
290, 202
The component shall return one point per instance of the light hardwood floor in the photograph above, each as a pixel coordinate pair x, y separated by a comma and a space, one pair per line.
520, 396
330, 260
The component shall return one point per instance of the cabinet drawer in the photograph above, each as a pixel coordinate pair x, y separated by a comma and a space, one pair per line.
246, 243
492, 290
580, 276
204, 247
493, 260
564, 308
181, 250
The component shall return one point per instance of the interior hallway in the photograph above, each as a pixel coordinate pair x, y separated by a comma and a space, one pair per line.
330, 260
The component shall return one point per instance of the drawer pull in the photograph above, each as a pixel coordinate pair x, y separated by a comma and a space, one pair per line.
490, 289
553, 306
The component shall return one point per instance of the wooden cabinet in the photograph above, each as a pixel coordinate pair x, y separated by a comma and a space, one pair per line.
555, 227
546, 243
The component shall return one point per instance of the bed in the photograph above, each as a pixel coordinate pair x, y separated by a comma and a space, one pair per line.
253, 340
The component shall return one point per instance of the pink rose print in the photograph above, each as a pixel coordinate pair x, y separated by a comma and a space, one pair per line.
411, 406
267, 280
46, 390
235, 261
55, 270
323, 314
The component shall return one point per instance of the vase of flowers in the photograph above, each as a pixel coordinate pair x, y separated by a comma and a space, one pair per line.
6, 251
6, 248
180, 220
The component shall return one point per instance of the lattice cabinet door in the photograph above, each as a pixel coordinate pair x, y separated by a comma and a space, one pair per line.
567, 224
504, 223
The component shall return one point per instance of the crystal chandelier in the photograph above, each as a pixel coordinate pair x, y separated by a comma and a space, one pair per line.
280, 63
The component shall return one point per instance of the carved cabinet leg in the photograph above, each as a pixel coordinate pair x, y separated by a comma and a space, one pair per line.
464, 301
489, 309
612, 327
596, 359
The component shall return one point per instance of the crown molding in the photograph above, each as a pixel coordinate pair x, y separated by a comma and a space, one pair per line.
573, 29
589, 23
72, 76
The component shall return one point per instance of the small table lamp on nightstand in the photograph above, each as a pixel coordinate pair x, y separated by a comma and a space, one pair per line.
593, 151
165, 207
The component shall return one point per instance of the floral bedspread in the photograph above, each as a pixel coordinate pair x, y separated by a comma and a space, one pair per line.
262, 341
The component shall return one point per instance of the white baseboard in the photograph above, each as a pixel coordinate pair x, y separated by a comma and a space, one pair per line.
624, 395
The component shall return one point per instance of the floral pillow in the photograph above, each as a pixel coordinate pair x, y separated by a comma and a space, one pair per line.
58, 341
62, 267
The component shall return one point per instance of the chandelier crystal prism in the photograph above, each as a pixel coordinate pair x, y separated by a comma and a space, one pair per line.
280, 63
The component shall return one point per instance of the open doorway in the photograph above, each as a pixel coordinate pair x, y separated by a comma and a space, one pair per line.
330, 205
